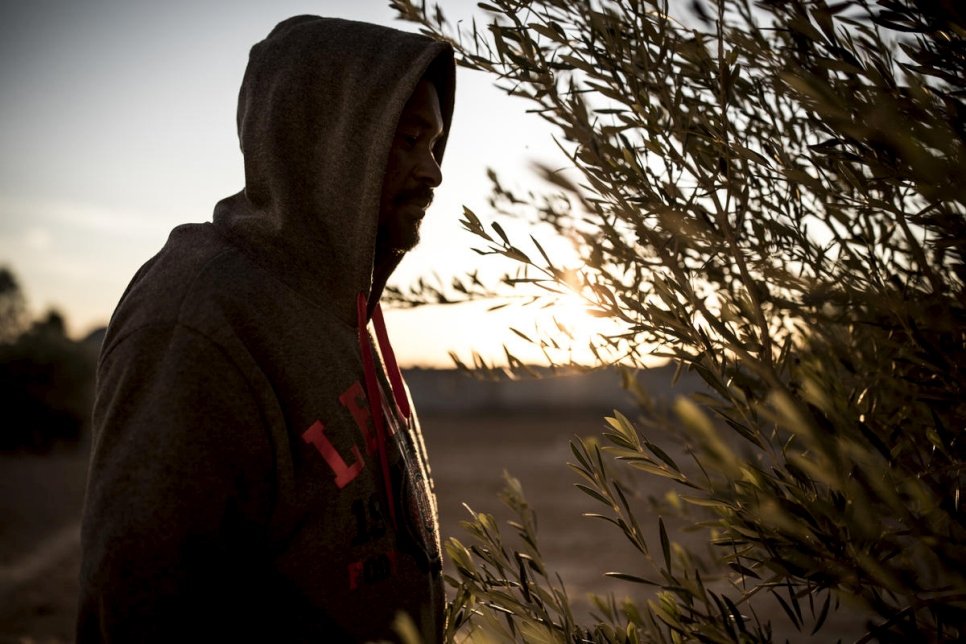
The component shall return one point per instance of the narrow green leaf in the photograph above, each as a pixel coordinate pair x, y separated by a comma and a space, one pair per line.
823, 614
665, 545
499, 231
743, 570
632, 578
595, 494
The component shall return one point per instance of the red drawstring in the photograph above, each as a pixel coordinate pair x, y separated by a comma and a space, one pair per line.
395, 376
375, 398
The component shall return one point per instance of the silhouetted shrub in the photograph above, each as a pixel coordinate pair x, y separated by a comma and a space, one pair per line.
13, 310
46, 387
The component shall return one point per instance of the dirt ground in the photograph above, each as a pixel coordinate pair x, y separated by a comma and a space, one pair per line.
41, 496
40, 503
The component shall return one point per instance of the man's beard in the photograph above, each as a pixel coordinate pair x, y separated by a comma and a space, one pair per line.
422, 195
401, 239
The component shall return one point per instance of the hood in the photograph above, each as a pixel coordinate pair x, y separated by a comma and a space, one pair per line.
317, 112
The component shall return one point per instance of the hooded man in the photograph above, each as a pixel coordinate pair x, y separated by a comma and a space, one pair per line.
257, 472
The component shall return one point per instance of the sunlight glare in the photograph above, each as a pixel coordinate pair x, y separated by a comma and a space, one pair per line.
570, 323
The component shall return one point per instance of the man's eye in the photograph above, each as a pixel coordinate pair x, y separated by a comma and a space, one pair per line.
410, 139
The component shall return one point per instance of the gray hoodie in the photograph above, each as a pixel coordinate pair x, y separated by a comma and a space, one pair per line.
257, 472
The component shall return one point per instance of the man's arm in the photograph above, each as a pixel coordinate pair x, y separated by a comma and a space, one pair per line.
180, 488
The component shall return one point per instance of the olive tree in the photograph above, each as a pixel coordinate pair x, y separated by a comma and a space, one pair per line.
772, 195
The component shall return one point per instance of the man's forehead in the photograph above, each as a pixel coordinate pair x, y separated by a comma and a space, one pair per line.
422, 118
423, 108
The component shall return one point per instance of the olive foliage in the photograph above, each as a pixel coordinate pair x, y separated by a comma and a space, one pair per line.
770, 194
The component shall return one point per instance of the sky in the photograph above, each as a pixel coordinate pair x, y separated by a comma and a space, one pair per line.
117, 123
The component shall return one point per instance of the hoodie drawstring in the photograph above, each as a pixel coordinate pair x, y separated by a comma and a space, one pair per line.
372, 388
395, 375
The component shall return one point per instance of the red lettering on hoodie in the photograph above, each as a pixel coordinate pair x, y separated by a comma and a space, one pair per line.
372, 569
354, 399
355, 572
344, 473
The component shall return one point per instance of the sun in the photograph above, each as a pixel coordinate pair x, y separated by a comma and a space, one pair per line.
568, 330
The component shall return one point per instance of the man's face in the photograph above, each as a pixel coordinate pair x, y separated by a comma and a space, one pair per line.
412, 170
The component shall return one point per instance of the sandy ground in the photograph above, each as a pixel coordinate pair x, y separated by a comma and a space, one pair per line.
40, 500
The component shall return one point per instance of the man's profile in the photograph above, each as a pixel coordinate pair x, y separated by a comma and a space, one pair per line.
257, 471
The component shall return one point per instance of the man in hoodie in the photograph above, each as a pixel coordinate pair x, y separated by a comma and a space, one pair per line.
257, 471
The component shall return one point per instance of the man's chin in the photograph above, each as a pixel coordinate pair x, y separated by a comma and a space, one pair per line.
407, 243
407, 236
403, 241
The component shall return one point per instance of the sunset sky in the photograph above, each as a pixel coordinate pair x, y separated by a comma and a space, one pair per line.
118, 123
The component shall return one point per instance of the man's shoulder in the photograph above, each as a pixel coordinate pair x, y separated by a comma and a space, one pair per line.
189, 279
197, 261
193, 258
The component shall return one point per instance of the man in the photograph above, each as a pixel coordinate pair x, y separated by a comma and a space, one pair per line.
257, 473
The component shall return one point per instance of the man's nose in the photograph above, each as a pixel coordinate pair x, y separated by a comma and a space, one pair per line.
428, 171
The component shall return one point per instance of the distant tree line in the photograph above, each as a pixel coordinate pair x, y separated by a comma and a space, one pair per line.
46, 379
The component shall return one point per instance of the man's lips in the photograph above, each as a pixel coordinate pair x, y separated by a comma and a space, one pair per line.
418, 198
420, 203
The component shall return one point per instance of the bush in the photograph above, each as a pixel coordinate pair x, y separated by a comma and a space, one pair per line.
46, 387
12, 306
773, 197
